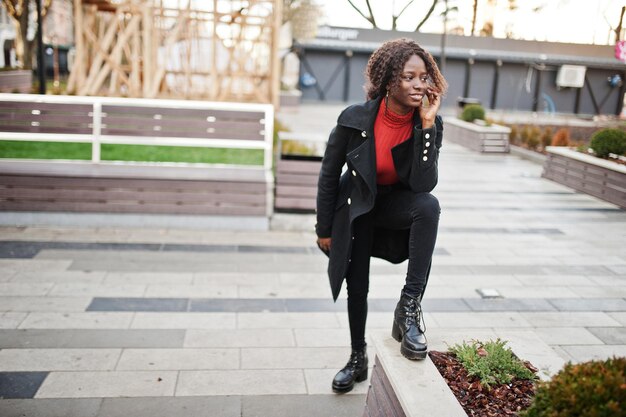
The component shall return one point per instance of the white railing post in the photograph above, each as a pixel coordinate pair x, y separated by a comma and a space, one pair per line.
97, 130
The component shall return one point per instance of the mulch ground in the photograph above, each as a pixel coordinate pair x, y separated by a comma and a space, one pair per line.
478, 401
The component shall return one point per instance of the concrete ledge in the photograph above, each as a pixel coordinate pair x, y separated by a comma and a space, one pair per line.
419, 387
485, 139
529, 155
211, 222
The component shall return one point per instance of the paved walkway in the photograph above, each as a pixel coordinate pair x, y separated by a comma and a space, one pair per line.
146, 322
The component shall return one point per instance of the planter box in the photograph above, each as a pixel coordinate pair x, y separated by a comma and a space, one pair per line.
486, 139
588, 174
403, 388
18, 81
296, 175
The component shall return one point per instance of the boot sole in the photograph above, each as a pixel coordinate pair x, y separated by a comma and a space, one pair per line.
414, 355
342, 390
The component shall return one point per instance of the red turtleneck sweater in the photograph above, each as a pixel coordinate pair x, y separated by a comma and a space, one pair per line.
390, 129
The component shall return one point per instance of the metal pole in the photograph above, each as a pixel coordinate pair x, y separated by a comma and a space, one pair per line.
41, 67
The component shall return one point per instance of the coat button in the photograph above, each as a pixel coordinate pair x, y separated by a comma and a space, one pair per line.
364, 134
425, 151
427, 144
425, 158
427, 135
354, 173
349, 201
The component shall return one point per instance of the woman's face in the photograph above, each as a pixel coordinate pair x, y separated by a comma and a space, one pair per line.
407, 93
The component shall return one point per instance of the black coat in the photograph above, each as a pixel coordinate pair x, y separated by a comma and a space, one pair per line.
341, 198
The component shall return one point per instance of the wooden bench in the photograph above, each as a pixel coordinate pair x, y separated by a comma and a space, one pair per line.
297, 175
133, 187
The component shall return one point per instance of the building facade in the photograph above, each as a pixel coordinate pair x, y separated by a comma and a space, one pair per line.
502, 74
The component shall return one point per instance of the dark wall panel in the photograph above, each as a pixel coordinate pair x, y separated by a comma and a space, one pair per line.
597, 79
455, 75
323, 66
559, 99
357, 77
512, 93
481, 81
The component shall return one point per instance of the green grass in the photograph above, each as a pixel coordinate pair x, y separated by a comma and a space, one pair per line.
137, 153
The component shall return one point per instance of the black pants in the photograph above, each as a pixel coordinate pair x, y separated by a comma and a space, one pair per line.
396, 208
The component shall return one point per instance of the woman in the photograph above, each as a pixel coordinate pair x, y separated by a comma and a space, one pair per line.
381, 205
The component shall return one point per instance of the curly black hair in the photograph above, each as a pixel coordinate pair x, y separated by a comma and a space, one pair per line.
387, 63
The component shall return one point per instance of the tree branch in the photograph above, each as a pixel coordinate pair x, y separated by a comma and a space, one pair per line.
369, 8
369, 19
11, 10
432, 8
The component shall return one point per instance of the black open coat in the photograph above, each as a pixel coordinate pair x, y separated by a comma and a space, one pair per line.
341, 198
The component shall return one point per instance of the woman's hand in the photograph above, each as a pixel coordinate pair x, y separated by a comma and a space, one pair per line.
428, 113
324, 243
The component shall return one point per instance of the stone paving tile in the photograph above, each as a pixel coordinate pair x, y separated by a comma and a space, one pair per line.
322, 337
600, 292
238, 305
475, 281
71, 320
239, 338
26, 360
24, 289
241, 382
222, 406
586, 304
281, 291
609, 280
568, 335
64, 407
41, 304
72, 338
588, 353
34, 265
138, 304
203, 291
92, 277
569, 319
303, 406
610, 335
11, 320
509, 304
236, 278
481, 319
19, 385
97, 290
178, 359
287, 320
619, 317
136, 278
108, 384
537, 292
183, 321
553, 280
303, 305
292, 358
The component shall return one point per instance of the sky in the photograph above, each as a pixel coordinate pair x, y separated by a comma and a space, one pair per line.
571, 21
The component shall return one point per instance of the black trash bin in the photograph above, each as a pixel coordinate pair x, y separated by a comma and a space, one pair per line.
464, 101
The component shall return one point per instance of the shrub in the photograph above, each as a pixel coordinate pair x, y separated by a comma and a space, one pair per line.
546, 137
561, 137
525, 134
534, 137
607, 141
472, 112
514, 135
595, 388
491, 362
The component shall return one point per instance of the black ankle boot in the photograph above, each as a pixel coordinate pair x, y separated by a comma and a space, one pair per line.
354, 371
408, 328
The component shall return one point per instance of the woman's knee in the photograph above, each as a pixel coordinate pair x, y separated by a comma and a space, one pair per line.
426, 206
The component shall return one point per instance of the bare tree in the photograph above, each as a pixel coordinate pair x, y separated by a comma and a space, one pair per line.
369, 15
618, 28
474, 13
19, 10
